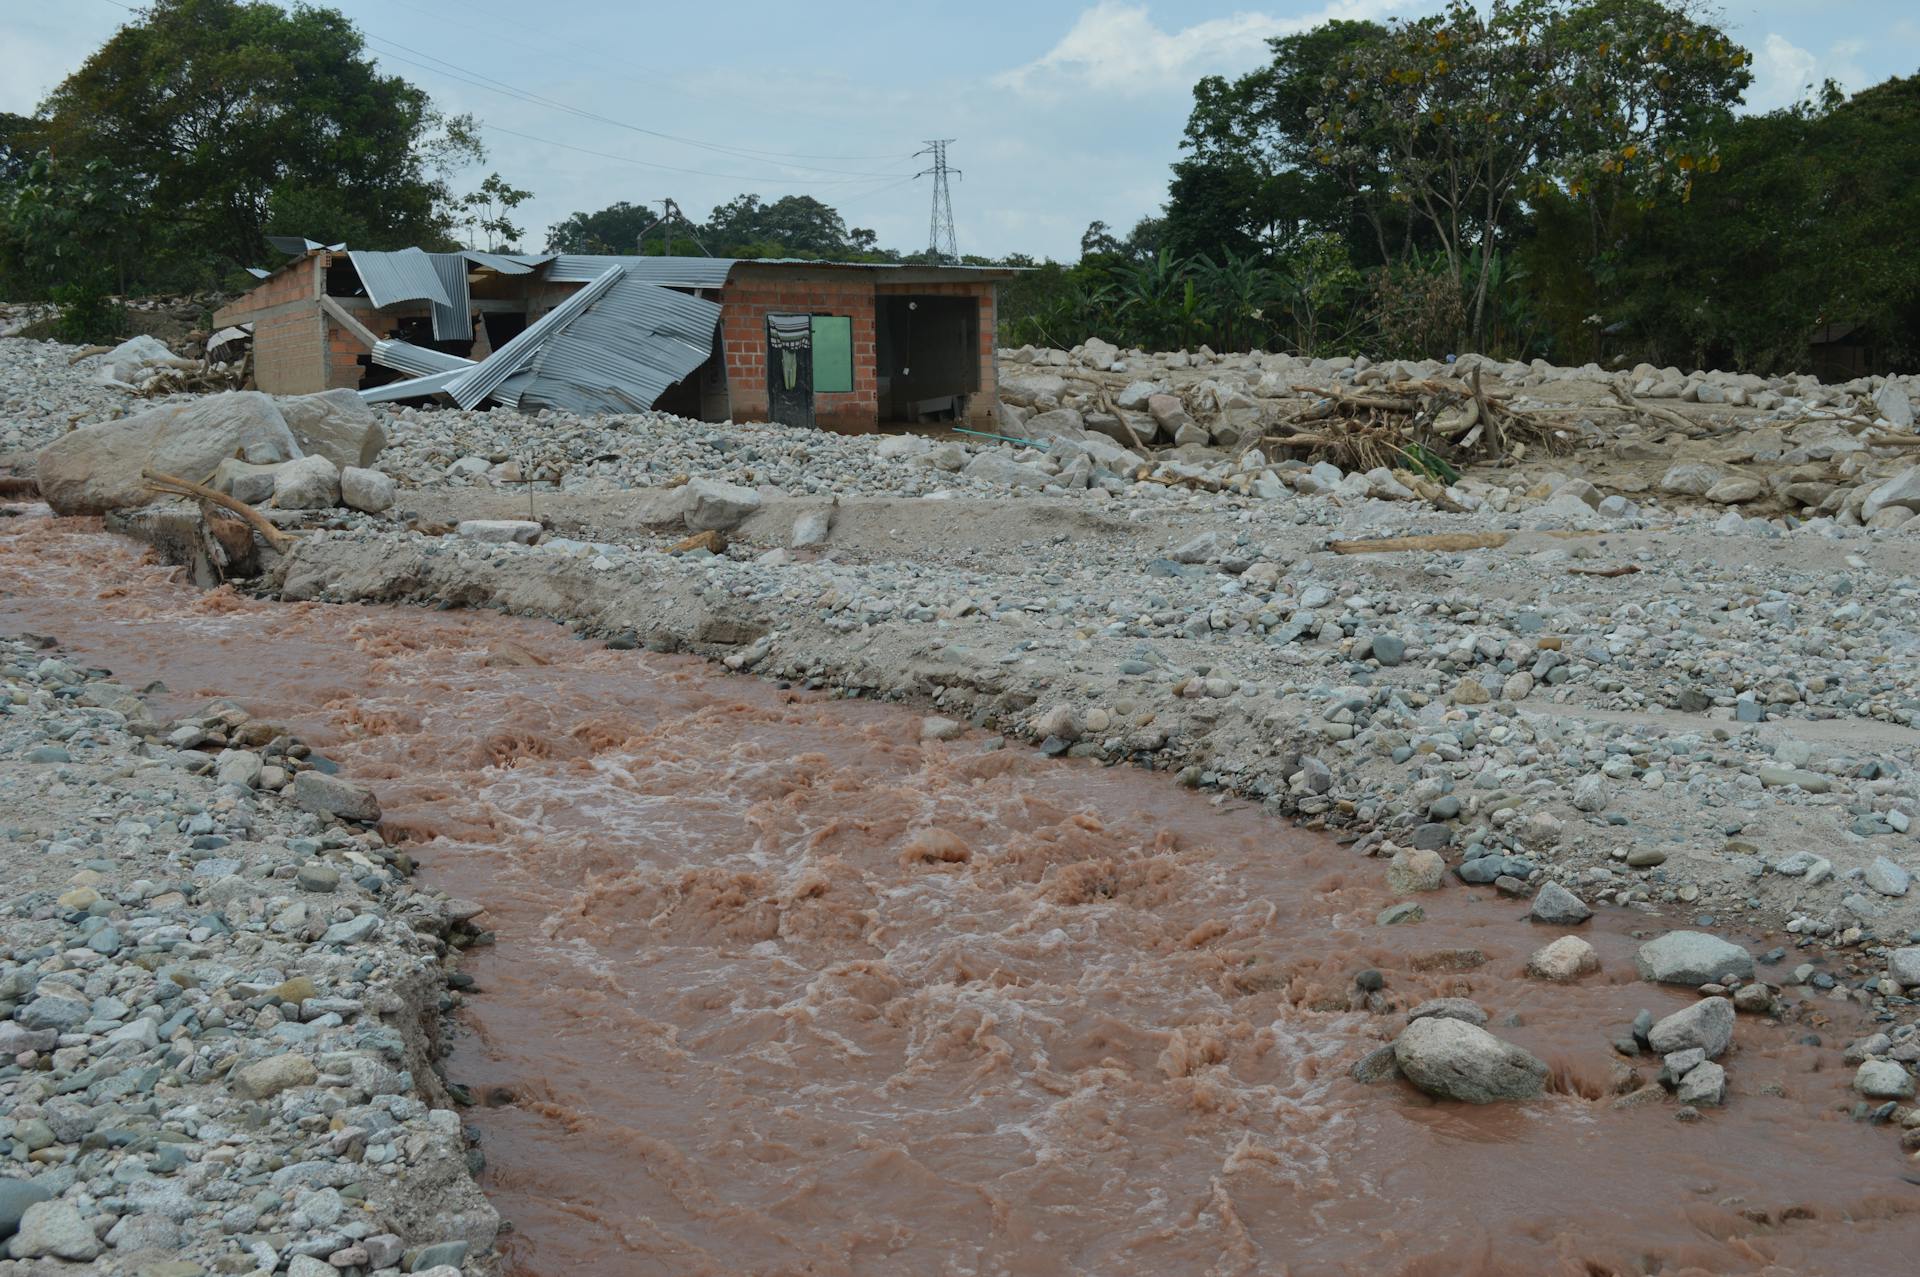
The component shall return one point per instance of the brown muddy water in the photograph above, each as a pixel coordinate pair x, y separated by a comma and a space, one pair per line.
779, 989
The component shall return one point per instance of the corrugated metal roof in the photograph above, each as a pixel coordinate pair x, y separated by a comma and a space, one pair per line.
507, 265
418, 388
484, 378
451, 322
674, 272
623, 353
405, 276
404, 356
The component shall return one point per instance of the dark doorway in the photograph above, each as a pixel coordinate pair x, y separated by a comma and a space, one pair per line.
929, 357
790, 369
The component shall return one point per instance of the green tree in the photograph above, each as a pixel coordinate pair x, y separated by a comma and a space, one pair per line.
488, 214
1471, 113
235, 116
1802, 227
613, 230
1254, 176
73, 227
791, 226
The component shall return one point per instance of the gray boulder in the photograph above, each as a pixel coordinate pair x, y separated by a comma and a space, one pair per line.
249, 483
1887, 878
1904, 965
97, 468
1558, 907
1903, 490
15, 1196
1692, 957
1032, 388
1691, 478
1895, 405
311, 483
997, 467
336, 424
1704, 1086
1061, 423
1707, 1024
54, 1230
713, 506
1883, 1080
1449, 1009
330, 796
1455, 1060
368, 491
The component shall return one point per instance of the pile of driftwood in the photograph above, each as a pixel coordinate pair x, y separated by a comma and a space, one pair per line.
1427, 428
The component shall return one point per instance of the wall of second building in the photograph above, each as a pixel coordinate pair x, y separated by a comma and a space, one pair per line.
290, 338
750, 296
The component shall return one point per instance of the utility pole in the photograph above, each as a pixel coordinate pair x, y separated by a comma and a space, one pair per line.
670, 209
941, 244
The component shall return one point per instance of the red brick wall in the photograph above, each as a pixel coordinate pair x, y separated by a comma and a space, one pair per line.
981, 406
744, 306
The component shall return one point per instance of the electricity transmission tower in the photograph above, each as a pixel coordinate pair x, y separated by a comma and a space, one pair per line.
941, 245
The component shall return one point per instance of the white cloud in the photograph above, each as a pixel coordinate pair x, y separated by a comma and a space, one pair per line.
1116, 47
1784, 73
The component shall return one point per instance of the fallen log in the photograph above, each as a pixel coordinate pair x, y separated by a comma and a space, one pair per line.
1441, 542
1619, 569
173, 485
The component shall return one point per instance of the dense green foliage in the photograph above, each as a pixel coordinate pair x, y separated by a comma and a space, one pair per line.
1531, 178
223, 121
792, 226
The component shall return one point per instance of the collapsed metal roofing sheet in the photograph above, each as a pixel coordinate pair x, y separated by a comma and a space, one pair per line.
624, 351
418, 388
673, 272
451, 322
403, 356
299, 245
481, 380
507, 265
406, 275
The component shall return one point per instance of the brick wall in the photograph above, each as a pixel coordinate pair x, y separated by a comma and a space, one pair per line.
981, 406
744, 306
289, 332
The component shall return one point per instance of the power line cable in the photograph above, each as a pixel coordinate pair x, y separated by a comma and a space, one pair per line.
481, 80
739, 177
629, 70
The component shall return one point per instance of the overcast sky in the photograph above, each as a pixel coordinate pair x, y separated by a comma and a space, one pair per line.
1062, 112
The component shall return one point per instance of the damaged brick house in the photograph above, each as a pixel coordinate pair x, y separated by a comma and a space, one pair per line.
850, 347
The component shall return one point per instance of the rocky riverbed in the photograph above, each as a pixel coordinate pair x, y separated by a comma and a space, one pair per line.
1671, 669
221, 997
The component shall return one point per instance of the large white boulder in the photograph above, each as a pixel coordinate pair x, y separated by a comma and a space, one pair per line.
337, 424
97, 468
368, 491
713, 506
311, 483
1903, 490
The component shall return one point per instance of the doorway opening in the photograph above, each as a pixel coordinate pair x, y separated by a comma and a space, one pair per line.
928, 350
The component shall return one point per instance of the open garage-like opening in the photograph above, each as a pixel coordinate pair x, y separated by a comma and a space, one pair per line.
928, 355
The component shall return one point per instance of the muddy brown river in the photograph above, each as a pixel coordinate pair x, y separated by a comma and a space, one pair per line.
780, 989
